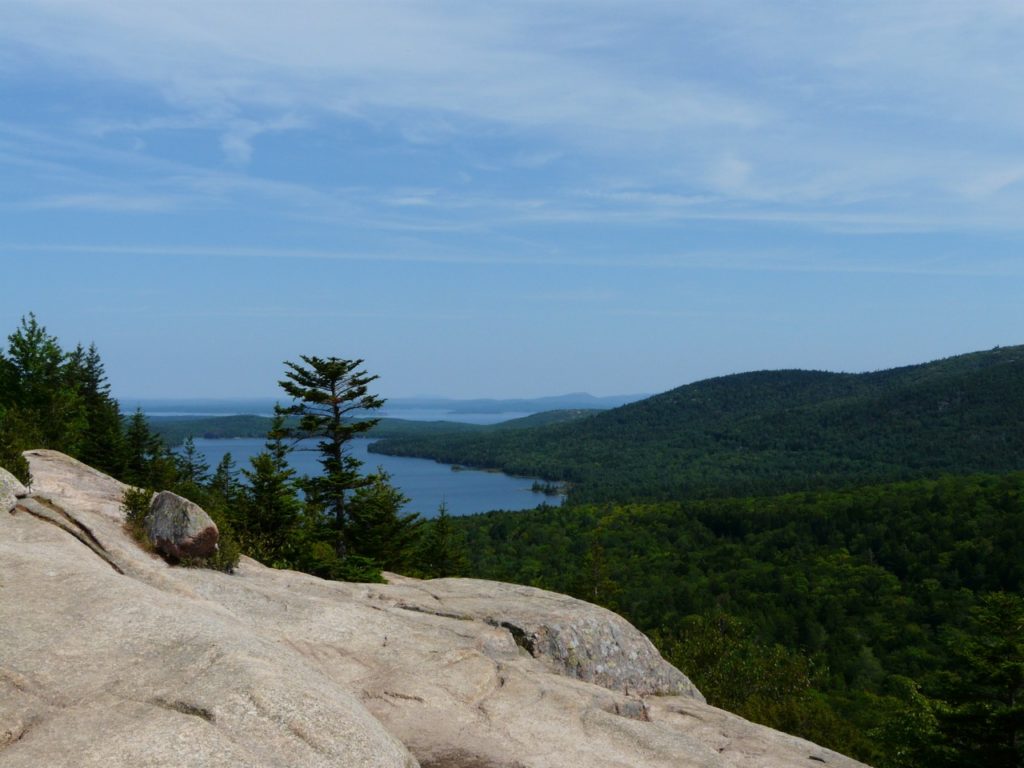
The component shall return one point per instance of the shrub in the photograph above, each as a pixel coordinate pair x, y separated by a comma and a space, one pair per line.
135, 506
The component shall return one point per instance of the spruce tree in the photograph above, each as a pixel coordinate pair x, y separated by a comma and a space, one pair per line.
330, 397
192, 467
443, 549
102, 443
269, 514
377, 529
147, 462
40, 385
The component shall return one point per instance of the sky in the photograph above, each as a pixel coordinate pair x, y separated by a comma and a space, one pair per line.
511, 199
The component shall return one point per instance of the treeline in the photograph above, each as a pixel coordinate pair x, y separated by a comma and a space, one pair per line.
175, 429
59, 399
769, 432
885, 622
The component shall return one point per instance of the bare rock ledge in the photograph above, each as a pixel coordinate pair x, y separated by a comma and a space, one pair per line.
110, 658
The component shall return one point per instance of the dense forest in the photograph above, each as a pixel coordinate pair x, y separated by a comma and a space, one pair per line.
742, 522
884, 621
768, 432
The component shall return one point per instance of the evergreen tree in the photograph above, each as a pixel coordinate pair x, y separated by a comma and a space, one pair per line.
103, 438
192, 467
147, 462
377, 529
224, 482
985, 689
328, 396
41, 387
268, 517
12, 443
443, 548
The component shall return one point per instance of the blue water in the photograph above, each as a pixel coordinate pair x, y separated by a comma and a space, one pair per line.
427, 483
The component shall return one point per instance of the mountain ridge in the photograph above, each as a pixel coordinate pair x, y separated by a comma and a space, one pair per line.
742, 433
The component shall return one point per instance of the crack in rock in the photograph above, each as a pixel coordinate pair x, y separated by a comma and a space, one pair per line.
49, 512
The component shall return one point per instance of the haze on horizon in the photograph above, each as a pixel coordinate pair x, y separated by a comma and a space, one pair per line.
513, 201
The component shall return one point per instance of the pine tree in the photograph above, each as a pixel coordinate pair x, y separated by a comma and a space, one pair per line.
984, 721
443, 550
103, 438
377, 529
269, 514
328, 394
224, 483
147, 462
192, 467
40, 386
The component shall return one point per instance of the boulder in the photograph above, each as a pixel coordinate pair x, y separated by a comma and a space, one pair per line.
11, 489
180, 528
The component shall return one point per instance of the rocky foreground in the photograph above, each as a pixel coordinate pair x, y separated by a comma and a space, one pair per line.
109, 657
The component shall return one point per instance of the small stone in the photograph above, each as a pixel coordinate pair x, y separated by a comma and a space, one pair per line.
180, 528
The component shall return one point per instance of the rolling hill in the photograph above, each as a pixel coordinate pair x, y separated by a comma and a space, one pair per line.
769, 432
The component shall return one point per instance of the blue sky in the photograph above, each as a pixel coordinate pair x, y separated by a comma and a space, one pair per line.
511, 199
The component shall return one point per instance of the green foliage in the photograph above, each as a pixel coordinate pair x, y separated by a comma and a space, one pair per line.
442, 550
326, 393
147, 460
174, 429
377, 529
765, 683
321, 559
12, 442
984, 688
228, 548
358, 515
768, 432
53, 399
846, 595
102, 442
268, 512
192, 469
40, 381
135, 506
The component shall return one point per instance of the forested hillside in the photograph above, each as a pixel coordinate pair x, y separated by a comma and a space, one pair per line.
884, 621
770, 432
175, 429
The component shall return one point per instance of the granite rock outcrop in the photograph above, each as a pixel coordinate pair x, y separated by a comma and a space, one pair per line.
111, 657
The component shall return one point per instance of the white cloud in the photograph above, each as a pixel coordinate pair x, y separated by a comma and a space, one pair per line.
850, 115
105, 203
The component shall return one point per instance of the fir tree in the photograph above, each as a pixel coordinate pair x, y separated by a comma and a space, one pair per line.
443, 549
328, 395
102, 444
377, 529
269, 514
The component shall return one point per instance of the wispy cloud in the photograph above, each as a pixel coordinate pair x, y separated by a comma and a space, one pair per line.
870, 116
108, 203
763, 260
